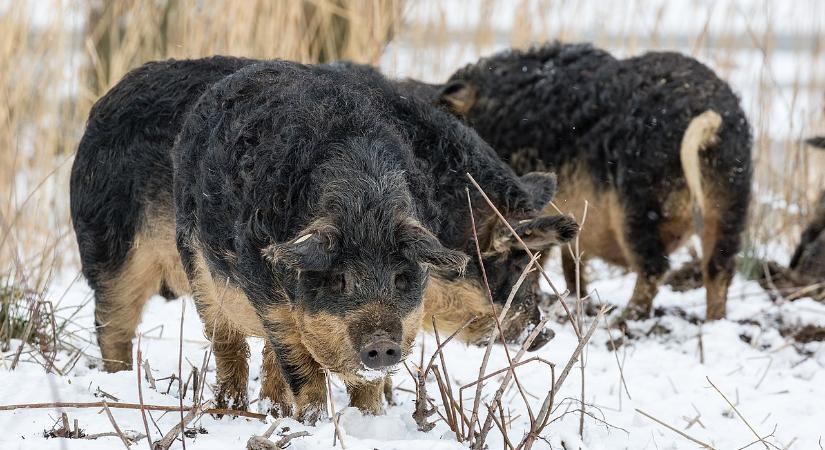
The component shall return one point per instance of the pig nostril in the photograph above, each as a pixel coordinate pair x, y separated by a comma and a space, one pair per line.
380, 353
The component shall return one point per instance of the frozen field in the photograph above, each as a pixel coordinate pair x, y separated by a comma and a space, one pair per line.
777, 385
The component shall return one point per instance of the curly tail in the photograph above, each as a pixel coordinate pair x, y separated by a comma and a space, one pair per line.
700, 134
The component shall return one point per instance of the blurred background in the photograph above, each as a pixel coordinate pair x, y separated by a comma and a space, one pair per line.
58, 56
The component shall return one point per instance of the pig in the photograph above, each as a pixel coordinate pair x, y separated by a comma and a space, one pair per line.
123, 210
808, 258
657, 144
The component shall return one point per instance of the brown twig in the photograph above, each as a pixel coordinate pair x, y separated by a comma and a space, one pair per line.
283, 442
147, 373
759, 438
178, 429
497, 331
529, 253
546, 408
447, 390
421, 412
92, 437
33, 317
55, 405
500, 424
332, 414
140, 395
180, 377
115, 426
579, 348
679, 432
498, 318
485, 429
616, 355
577, 257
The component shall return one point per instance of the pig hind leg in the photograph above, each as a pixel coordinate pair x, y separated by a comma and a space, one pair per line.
724, 220
119, 302
647, 253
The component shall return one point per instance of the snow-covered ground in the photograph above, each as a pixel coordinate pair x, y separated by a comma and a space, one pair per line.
778, 386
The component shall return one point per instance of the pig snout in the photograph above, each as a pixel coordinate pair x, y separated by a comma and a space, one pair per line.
379, 351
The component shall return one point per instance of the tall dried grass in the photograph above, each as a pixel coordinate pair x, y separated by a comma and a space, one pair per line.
59, 56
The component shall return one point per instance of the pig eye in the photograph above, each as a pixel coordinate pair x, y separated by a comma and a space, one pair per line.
401, 282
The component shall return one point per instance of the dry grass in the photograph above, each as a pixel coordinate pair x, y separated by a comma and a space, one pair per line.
60, 56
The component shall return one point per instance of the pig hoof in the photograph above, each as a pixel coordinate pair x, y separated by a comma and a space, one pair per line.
544, 336
310, 414
633, 313
273, 408
230, 399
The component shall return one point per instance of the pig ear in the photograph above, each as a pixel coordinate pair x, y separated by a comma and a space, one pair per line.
311, 251
541, 186
422, 246
816, 141
458, 96
538, 233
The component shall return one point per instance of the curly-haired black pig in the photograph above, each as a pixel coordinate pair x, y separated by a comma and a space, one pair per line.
658, 145
808, 258
302, 178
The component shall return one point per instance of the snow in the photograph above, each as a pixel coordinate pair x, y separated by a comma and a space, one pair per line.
777, 386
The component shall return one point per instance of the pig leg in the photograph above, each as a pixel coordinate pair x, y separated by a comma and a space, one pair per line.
228, 343
568, 265
231, 355
309, 387
723, 222
276, 397
366, 396
119, 302
645, 251
388, 395
299, 370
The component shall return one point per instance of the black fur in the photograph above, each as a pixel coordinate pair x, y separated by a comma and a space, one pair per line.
253, 173
279, 149
410, 100
561, 105
122, 162
816, 141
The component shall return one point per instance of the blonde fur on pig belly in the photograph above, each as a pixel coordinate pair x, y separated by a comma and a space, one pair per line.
453, 303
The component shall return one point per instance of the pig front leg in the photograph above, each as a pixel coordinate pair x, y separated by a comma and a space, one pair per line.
299, 371
366, 396
231, 354
276, 396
